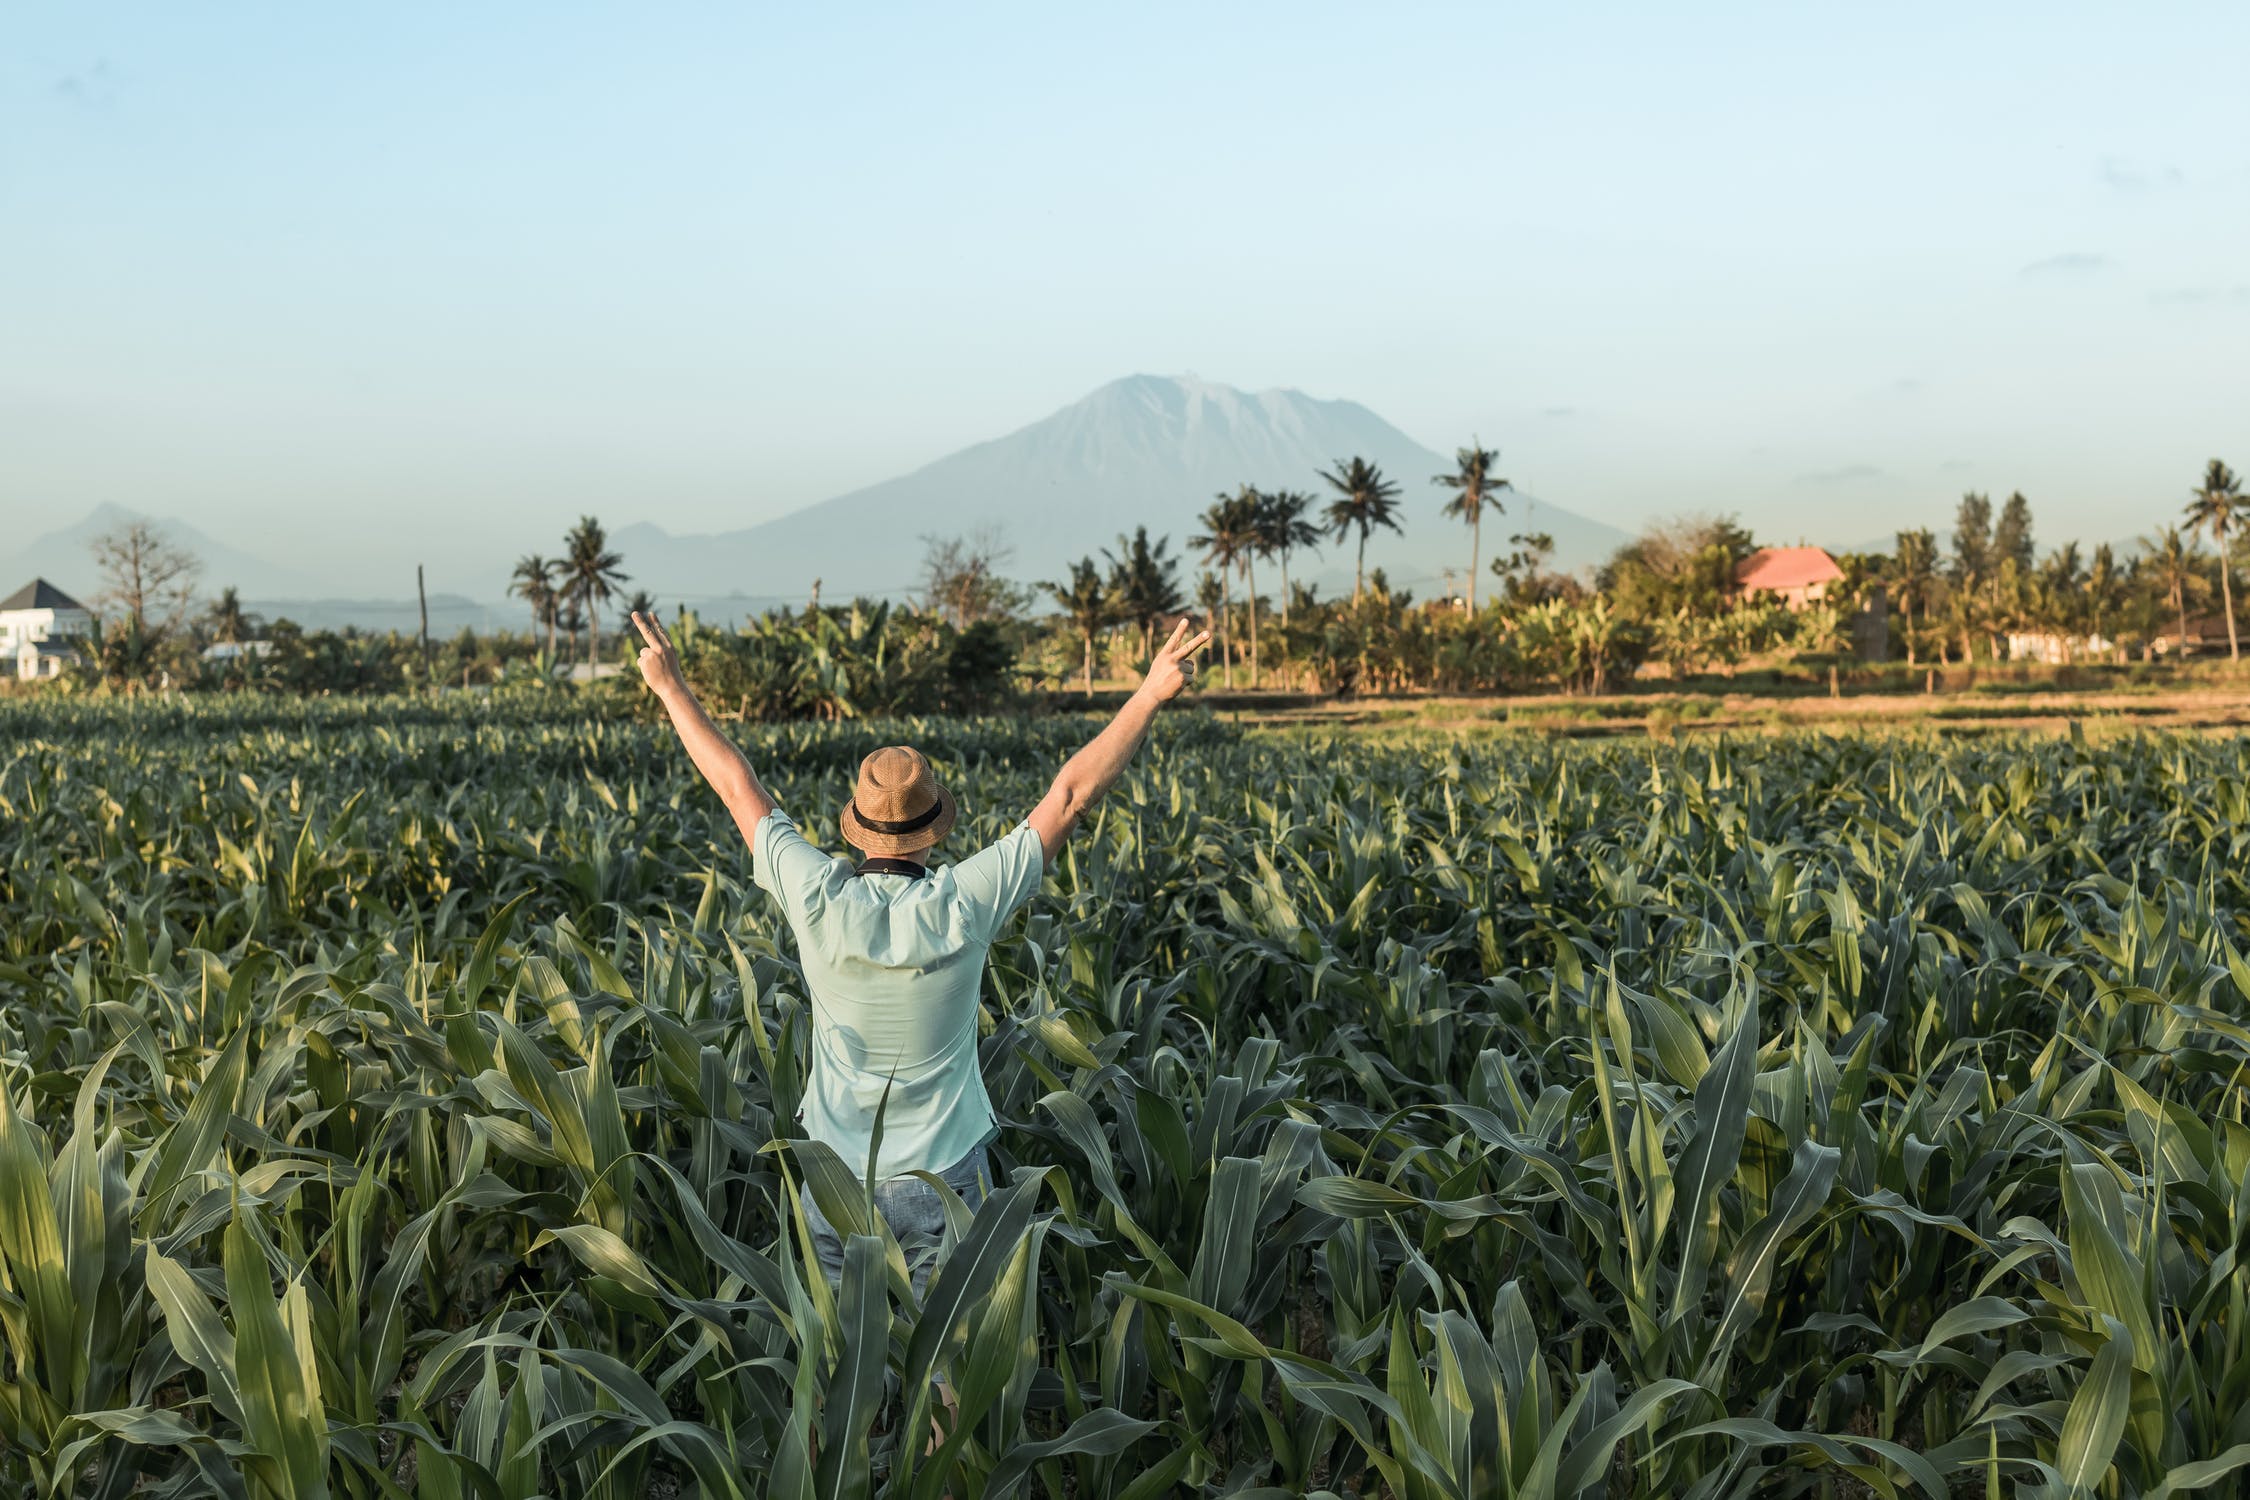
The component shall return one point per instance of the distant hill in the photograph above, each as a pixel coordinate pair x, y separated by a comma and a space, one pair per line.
66, 557
1147, 449
1143, 450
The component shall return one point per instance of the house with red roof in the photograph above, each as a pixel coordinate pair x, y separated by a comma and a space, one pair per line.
1798, 574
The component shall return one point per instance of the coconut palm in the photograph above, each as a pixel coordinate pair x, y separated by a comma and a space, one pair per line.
2171, 561
1283, 529
1914, 572
570, 620
591, 573
2102, 587
1229, 536
1090, 604
2215, 506
227, 620
1210, 595
534, 583
1474, 487
1146, 579
1365, 500
2060, 591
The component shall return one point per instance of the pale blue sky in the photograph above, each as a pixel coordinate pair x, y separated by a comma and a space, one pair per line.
317, 274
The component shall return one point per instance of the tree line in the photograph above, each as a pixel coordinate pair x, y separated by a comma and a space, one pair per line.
971, 634
1669, 595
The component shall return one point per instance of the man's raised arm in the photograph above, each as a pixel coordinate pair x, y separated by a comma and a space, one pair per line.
1095, 769
713, 753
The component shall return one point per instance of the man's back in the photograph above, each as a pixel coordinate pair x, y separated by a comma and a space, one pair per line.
894, 963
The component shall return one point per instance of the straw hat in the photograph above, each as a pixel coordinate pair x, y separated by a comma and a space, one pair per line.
898, 806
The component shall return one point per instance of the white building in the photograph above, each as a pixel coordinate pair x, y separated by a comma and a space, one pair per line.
39, 625
2057, 650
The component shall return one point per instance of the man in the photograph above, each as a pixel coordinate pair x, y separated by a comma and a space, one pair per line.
894, 951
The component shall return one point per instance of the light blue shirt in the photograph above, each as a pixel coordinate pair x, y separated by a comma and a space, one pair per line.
894, 964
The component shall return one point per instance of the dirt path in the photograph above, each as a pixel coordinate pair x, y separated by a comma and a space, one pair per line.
1973, 712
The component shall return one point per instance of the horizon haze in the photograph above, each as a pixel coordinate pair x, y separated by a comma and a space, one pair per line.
400, 286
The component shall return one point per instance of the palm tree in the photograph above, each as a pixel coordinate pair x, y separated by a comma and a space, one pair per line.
534, 583
1365, 500
1250, 512
2101, 589
1283, 529
2174, 565
1210, 595
591, 573
1089, 604
2215, 507
1914, 570
228, 622
2061, 594
570, 620
1474, 487
1146, 580
1229, 533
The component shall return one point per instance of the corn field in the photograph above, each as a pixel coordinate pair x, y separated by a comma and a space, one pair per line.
396, 1101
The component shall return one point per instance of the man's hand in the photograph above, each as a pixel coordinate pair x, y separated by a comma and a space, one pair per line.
1174, 666
713, 753
660, 662
1095, 769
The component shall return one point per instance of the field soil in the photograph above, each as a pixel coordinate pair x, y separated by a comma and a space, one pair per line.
2197, 708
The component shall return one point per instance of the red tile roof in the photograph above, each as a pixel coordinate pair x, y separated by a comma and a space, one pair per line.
1786, 568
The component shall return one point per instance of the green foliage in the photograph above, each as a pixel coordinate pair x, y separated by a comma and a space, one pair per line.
861, 660
1683, 565
395, 1098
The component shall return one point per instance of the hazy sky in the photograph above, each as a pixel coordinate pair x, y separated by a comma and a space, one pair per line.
311, 276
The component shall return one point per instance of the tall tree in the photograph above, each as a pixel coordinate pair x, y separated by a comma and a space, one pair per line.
1364, 500
1251, 509
1282, 530
1229, 532
1914, 573
962, 581
2172, 561
1972, 540
1089, 603
2102, 584
226, 619
534, 583
1973, 565
1474, 487
1523, 572
591, 573
2011, 538
2215, 506
1146, 579
144, 573
570, 620
2061, 594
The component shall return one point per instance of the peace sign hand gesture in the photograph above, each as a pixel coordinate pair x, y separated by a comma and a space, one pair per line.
1174, 666
660, 661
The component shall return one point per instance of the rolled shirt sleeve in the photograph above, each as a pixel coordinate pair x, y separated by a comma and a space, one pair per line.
1000, 877
786, 866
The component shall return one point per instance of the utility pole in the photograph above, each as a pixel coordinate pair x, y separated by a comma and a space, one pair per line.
422, 594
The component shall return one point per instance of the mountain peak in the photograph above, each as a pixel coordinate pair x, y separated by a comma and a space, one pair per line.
1142, 449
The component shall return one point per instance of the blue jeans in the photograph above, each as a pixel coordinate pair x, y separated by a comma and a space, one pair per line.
914, 1212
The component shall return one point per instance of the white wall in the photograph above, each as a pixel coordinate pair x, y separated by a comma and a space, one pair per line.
20, 625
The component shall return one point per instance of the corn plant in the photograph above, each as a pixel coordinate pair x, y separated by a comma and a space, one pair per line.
398, 1099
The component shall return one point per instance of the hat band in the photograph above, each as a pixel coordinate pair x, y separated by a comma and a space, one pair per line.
919, 821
